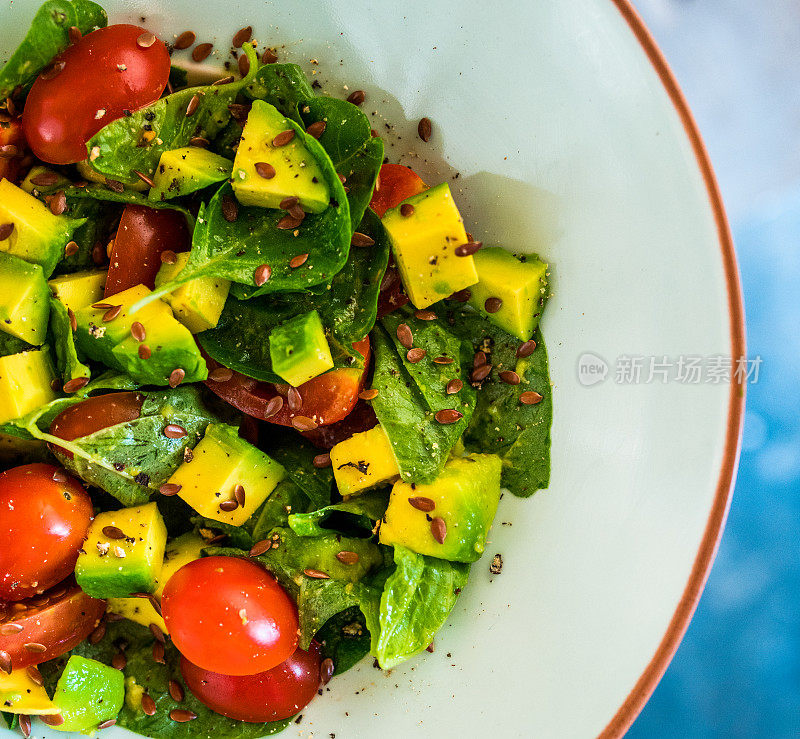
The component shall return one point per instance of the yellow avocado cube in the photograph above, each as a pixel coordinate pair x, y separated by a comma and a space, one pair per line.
179, 552
25, 383
123, 552
363, 461
197, 304
424, 243
20, 694
79, 289
223, 461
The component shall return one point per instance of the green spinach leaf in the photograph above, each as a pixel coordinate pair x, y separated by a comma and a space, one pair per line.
69, 365
297, 457
286, 499
344, 639
281, 85
47, 37
356, 517
136, 142
12, 345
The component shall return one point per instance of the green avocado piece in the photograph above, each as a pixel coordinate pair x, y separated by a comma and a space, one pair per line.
88, 694
265, 174
186, 170
116, 565
464, 496
520, 284
24, 299
299, 349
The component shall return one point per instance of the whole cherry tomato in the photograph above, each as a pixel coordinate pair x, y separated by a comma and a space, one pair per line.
88, 86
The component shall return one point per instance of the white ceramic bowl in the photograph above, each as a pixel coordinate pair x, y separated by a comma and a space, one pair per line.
571, 139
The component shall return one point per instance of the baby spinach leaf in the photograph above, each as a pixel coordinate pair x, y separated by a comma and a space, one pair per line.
321, 600
354, 517
10, 720
420, 443
127, 144
47, 37
297, 455
12, 345
286, 499
344, 639
502, 425
69, 366
416, 601
127, 197
361, 173
281, 85
144, 674
178, 77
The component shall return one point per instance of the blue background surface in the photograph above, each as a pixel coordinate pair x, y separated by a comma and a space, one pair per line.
737, 672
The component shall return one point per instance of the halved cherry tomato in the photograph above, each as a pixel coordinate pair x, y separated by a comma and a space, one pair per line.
362, 418
42, 525
395, 184
106, 73
229, 615
143, 234
12, 149
326, 398
267, 696
50, 624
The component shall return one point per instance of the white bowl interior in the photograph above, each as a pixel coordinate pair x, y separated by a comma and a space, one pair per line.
567, 144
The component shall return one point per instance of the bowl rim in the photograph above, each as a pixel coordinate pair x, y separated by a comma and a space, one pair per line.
639, 695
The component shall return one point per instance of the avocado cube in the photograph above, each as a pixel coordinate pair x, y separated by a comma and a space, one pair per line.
197, 304
520, 284
465, 496
222, 461
363, 461
25, 383
424, 245
186, 548
123, 552
88, 693
24, 300
39, 236
299, 350
59, 180
79, 289
19, 693
186, 170
296, 172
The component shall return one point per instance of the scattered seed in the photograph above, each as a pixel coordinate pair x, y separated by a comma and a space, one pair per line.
176, 691
316, 574
58, 203
509, 377
369, 394
357, 97
35, 647
158, 653
230, 210
155, 630
283, 138
45, 179
244, 65
421, 503
297, 212
288, 223
415, 355
56, 720
468, 249
169, 489
269, 57
146, 40
347, 558
144, 351
262, 274
526, 349
10, 628
448, 415
479, 374
138, 331
174, 431
404, 335
218, 539
228, 505
316, 129
342, 178
181, 715
199, 141
239, 494
288, 203
5, 662
294, 399
443, 360
425, 315
74, 34
10, 107
439, 529
119, 661
112, 313
322, 460
148, 704
115, 186
176, 377
185, 40
113, 532
265, 170
239, 111
8, 151
425, 129
360, 239
530, 397
462, 296
71, 249
52, 71
25, 725
243, 35
193, 105
144, 178
492, 305
260, 547
6, 229
496, 567
201, 52
75, 384
273, 407
298, 261
406, 210
479, 359
430, 648
35, 675
107, 724
454, 386
220, 374
326, 670
304, 423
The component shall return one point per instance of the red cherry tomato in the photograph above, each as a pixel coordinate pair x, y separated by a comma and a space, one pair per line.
326, 398
59, 620
42, 526
229, 615
11, 158
395, 184
362, 418
143, 234
267, 696
104, 74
